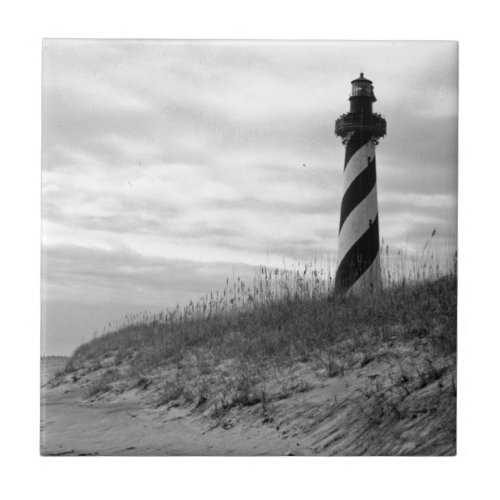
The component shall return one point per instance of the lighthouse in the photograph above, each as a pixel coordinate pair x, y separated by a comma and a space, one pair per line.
358, 257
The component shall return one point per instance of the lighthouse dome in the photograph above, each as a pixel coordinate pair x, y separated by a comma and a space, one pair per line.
362, 79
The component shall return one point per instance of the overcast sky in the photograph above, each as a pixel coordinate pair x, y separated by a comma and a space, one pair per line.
167, 165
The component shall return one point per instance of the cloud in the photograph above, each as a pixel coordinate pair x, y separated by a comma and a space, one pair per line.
71, 273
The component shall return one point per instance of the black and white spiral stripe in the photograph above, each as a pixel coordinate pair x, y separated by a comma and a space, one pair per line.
358, 259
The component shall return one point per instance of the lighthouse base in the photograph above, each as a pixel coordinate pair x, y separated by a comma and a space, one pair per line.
369, 282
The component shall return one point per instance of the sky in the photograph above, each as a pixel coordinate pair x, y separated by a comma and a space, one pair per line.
169, 166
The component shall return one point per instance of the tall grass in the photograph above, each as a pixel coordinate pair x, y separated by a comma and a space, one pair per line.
406, 265
289, 313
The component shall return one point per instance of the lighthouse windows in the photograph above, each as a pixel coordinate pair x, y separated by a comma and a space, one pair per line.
362, 89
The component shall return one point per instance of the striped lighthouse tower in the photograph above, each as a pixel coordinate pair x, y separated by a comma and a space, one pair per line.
358, 258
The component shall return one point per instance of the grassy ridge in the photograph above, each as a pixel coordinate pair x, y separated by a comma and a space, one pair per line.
279, 328
287, 313
254, 346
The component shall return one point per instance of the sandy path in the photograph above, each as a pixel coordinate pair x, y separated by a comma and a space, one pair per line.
69, 427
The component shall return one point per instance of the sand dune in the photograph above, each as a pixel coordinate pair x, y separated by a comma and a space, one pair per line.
342, 415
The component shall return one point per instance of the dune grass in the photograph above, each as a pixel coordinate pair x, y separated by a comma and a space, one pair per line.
287, 314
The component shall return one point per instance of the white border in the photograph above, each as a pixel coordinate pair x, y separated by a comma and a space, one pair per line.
472, 473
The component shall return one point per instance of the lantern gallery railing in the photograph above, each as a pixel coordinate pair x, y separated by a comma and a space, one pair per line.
372, 123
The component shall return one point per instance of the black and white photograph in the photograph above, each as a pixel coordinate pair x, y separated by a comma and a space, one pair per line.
248, 247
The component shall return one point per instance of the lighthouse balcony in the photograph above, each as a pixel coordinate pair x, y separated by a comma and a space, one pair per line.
367, 123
